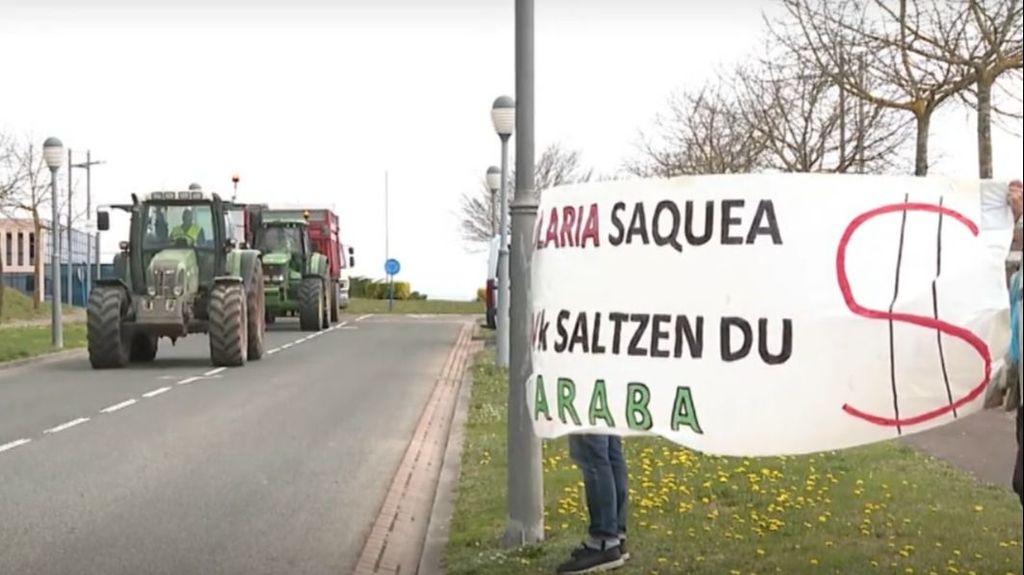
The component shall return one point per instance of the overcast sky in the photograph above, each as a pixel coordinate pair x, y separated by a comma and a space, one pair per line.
312, 101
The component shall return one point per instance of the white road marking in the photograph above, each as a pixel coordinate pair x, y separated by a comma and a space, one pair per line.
214, 372
13, 444
301, 340
156, 392
273, 351
287, 346
121, 405
349, 328
189, 380
362, 317
67, 425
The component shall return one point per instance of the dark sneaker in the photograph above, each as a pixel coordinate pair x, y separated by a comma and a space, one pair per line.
589, 560
622, 550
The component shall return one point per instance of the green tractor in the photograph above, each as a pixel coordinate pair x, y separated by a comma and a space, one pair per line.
297, 278
179, 273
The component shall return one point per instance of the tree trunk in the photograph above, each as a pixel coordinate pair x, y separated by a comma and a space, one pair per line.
37, 289
984, 127
924, 120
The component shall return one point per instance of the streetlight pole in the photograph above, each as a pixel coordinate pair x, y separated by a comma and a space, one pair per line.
525, 475
53, 154
503, 115
493, 184
87, 166
234, 180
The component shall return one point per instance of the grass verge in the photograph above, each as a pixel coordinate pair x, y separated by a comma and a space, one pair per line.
25, 342
362, 306
878, 509
18, 308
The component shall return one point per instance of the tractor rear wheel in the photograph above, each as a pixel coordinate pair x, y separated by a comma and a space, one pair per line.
311, 304
144, 348
256, 304
108, 339
229, 341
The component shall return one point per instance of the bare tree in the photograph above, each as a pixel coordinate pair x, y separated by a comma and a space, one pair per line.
989, 45
478, 212
30, 195
888, 39
702, 133
808, 124
10, 174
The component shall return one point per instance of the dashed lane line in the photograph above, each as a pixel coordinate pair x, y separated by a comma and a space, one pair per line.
13, 444
119, 406
362, 317
159, 391
67, 425
156, 392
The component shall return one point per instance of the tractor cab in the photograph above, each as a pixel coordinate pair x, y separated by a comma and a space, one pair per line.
182, 243
285, 246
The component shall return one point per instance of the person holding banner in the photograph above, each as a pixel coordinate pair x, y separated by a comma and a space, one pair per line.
605, 481
1015, 353
1016, 200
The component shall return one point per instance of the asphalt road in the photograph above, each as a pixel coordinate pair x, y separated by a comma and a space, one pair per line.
175, 468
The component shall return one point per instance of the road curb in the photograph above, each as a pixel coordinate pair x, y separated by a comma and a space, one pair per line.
439, 529
396, 541
43, 359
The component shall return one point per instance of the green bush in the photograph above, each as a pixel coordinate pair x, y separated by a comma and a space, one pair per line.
402, 290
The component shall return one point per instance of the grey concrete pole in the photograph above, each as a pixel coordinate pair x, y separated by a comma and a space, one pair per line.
88, 218
57, 329
503, 286
525, 475
71, 289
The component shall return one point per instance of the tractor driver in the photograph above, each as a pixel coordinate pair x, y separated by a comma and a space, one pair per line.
188, 231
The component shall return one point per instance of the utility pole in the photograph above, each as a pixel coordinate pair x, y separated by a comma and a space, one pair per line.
87, 165
525, 475
387, 243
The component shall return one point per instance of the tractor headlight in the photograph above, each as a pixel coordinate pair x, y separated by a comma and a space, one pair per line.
178, 290
277, 279
151, 290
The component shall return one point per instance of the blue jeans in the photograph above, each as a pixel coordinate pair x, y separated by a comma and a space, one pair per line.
605, 479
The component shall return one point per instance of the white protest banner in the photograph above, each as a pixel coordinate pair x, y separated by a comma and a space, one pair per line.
767, 314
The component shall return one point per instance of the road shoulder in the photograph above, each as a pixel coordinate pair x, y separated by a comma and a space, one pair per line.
398, 535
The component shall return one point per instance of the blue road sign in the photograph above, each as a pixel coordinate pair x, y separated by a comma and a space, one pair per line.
392, 267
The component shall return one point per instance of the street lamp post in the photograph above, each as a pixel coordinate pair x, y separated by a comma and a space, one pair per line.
503, 115
493, 183
525, 475
234, 180
53, 154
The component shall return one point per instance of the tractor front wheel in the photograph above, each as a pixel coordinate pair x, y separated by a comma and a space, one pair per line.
256, 304
109, 345
144, 348
311, 304
229, 340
